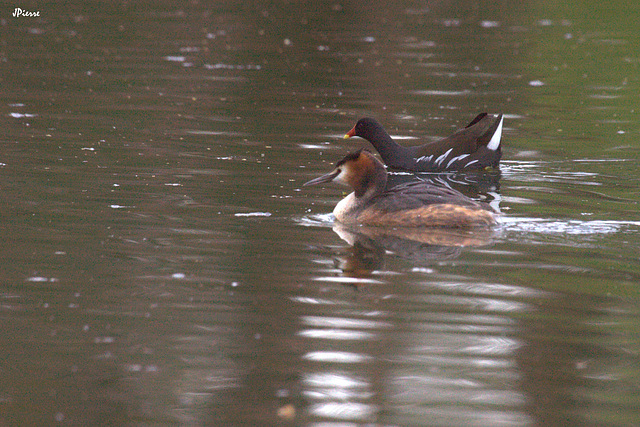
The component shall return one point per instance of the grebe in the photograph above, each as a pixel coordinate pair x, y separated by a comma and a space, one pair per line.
407, 205
477, 146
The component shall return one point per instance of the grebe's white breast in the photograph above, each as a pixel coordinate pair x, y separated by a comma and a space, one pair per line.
345, 207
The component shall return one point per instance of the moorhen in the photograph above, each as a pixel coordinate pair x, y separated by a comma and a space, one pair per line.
477, 146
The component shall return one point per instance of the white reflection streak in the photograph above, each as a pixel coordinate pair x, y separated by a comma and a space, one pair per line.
344, 411
336, 334
487, 304
499, 346
342, 322
309, 300
331, 379
339, 328
336, 394
494, 289
336, 357
348, 280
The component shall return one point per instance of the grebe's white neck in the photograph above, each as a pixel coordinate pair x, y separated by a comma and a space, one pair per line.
347, 209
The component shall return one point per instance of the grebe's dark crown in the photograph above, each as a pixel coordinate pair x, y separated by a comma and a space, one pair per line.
351, 157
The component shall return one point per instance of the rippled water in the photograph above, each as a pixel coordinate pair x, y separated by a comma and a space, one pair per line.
163, 264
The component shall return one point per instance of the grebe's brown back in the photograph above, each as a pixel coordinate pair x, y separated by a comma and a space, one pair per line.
408, 205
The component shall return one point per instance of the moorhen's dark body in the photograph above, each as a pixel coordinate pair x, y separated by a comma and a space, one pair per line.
477, 146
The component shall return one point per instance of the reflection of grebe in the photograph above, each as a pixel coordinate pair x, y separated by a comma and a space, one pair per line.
477, 146
408, 205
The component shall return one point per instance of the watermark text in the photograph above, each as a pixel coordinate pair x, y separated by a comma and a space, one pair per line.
17, 13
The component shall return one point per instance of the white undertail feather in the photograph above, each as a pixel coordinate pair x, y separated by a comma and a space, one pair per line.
497, 136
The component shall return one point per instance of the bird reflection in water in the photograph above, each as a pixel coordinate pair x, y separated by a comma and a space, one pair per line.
422, 246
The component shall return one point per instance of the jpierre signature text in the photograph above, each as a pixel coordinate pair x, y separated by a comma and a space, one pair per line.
17, 12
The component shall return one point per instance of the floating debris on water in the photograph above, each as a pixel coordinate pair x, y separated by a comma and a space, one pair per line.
40, 279
21, 115
489, 24
250, 214
176, 58
221, 66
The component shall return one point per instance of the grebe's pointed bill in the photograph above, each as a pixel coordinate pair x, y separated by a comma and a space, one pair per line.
324, 178
351, 133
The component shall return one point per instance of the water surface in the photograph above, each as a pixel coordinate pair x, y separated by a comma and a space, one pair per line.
163, 264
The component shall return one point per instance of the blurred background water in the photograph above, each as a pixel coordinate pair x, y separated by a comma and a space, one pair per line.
161, 264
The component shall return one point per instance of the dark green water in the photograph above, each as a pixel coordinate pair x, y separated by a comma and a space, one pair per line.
162, 265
